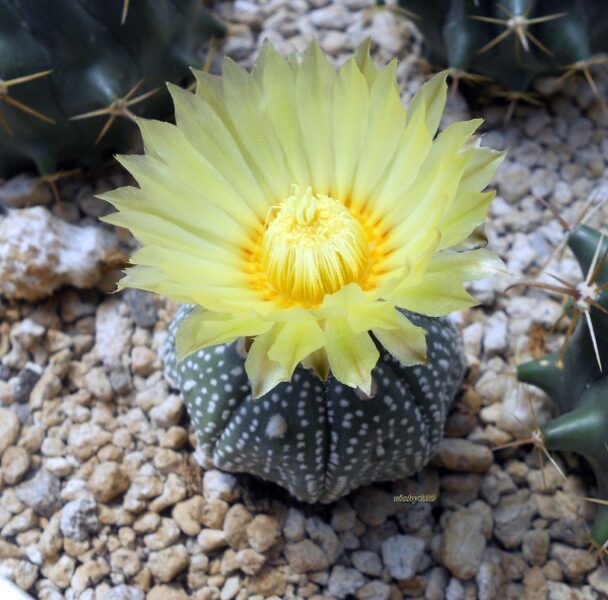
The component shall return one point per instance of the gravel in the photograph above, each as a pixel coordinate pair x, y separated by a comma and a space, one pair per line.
463, 543
41, 493
101, 497
402, 555
79, 519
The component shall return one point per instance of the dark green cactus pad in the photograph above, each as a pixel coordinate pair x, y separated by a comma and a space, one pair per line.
455, 38
578, 386
320, 442
95, 60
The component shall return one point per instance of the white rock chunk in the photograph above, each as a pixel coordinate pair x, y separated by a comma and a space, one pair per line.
39, 253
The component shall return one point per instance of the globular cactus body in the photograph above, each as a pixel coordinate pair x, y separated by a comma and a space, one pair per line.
93, 60
511, 42
577, 385
320, 441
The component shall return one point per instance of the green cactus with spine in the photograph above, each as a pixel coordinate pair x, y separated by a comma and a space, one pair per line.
512, 42
575, 377
319, 440
59, 60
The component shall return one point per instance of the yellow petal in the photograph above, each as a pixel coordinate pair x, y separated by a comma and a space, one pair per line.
315, 81
437, 183
264, 373
279, 88
432, 95
236, 301
436, 295
472, 265
213, 139
152, 279
422, 249
178, 201
387, 120
481, 168
169, 144
467, 212
352, 356
191, 268
372, 315
470, 209
294, 342
405, 341
256, 136
142, 277
210, 89
412, 150
350, 118
364, 61
455, 137
317, 362
341, 302
202, 328
155, 231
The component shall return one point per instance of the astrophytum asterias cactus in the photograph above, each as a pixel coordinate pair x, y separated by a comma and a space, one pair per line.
319, 440
305, 209
69, 68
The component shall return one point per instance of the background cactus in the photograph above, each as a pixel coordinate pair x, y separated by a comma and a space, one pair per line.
319, 441
512, 42
62, 59
576, 377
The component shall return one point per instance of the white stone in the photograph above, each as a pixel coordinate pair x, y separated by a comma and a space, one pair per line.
230, 588
343, 582
112, 333
334, 16
168, 412
9, 428
402, 555
496, 335
39, 253
217, 484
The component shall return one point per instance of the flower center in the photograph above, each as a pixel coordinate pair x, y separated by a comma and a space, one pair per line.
312, 246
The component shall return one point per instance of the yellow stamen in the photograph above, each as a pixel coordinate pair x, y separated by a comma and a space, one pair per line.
312, 246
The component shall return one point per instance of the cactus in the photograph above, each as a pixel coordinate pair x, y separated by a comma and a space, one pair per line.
320, 441
512, 42
60, 60
575, 377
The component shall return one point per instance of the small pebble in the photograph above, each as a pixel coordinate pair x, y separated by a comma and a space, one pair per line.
402, 555
462, 455
108, 481
464, 543
41, 492
305, 556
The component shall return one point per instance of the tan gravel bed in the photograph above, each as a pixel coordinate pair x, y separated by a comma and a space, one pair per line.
101, 497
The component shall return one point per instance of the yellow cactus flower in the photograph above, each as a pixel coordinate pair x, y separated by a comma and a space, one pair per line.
301, 205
